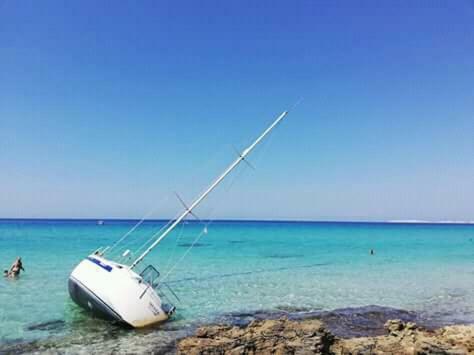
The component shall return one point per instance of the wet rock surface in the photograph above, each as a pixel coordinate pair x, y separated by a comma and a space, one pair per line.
408, 338
311, 336
280, 336
283, 330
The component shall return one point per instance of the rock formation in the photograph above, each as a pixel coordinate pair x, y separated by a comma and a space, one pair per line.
283, 336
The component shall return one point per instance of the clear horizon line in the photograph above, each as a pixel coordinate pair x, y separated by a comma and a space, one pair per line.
390, 221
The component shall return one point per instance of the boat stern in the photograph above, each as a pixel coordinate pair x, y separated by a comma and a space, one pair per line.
114, 292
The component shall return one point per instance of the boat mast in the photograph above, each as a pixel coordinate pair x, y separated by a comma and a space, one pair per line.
209, 189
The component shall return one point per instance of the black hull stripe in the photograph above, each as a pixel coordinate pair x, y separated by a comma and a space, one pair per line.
110, 311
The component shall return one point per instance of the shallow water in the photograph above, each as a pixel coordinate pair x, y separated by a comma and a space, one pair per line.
239, 267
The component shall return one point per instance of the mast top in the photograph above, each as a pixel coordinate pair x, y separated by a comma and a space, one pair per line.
219, 179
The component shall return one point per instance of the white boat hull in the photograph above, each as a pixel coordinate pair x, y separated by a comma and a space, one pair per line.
113, 291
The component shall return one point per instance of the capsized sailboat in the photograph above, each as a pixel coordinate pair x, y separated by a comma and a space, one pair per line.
117, 292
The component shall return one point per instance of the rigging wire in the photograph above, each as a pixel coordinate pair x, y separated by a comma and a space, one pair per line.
183, 215
208, 162
204, 231
208, 223
155, 234
131, 230
173, 251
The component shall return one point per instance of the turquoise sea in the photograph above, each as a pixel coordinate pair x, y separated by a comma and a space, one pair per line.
236, 267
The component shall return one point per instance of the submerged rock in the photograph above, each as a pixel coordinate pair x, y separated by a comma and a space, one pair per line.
343, 322
194, 245
284, 256
362, 321
310, 336
48, 326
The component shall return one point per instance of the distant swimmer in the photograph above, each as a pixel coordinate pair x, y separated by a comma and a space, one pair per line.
372, 252
16, 267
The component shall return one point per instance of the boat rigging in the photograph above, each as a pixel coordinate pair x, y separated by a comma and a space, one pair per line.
114, 291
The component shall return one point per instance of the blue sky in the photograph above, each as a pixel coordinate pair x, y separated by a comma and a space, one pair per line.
106, 108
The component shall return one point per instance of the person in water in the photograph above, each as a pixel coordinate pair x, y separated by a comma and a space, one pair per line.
16, 267
372, 252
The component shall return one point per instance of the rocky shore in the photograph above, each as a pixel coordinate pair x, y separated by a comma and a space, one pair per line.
311, 336
285, 330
